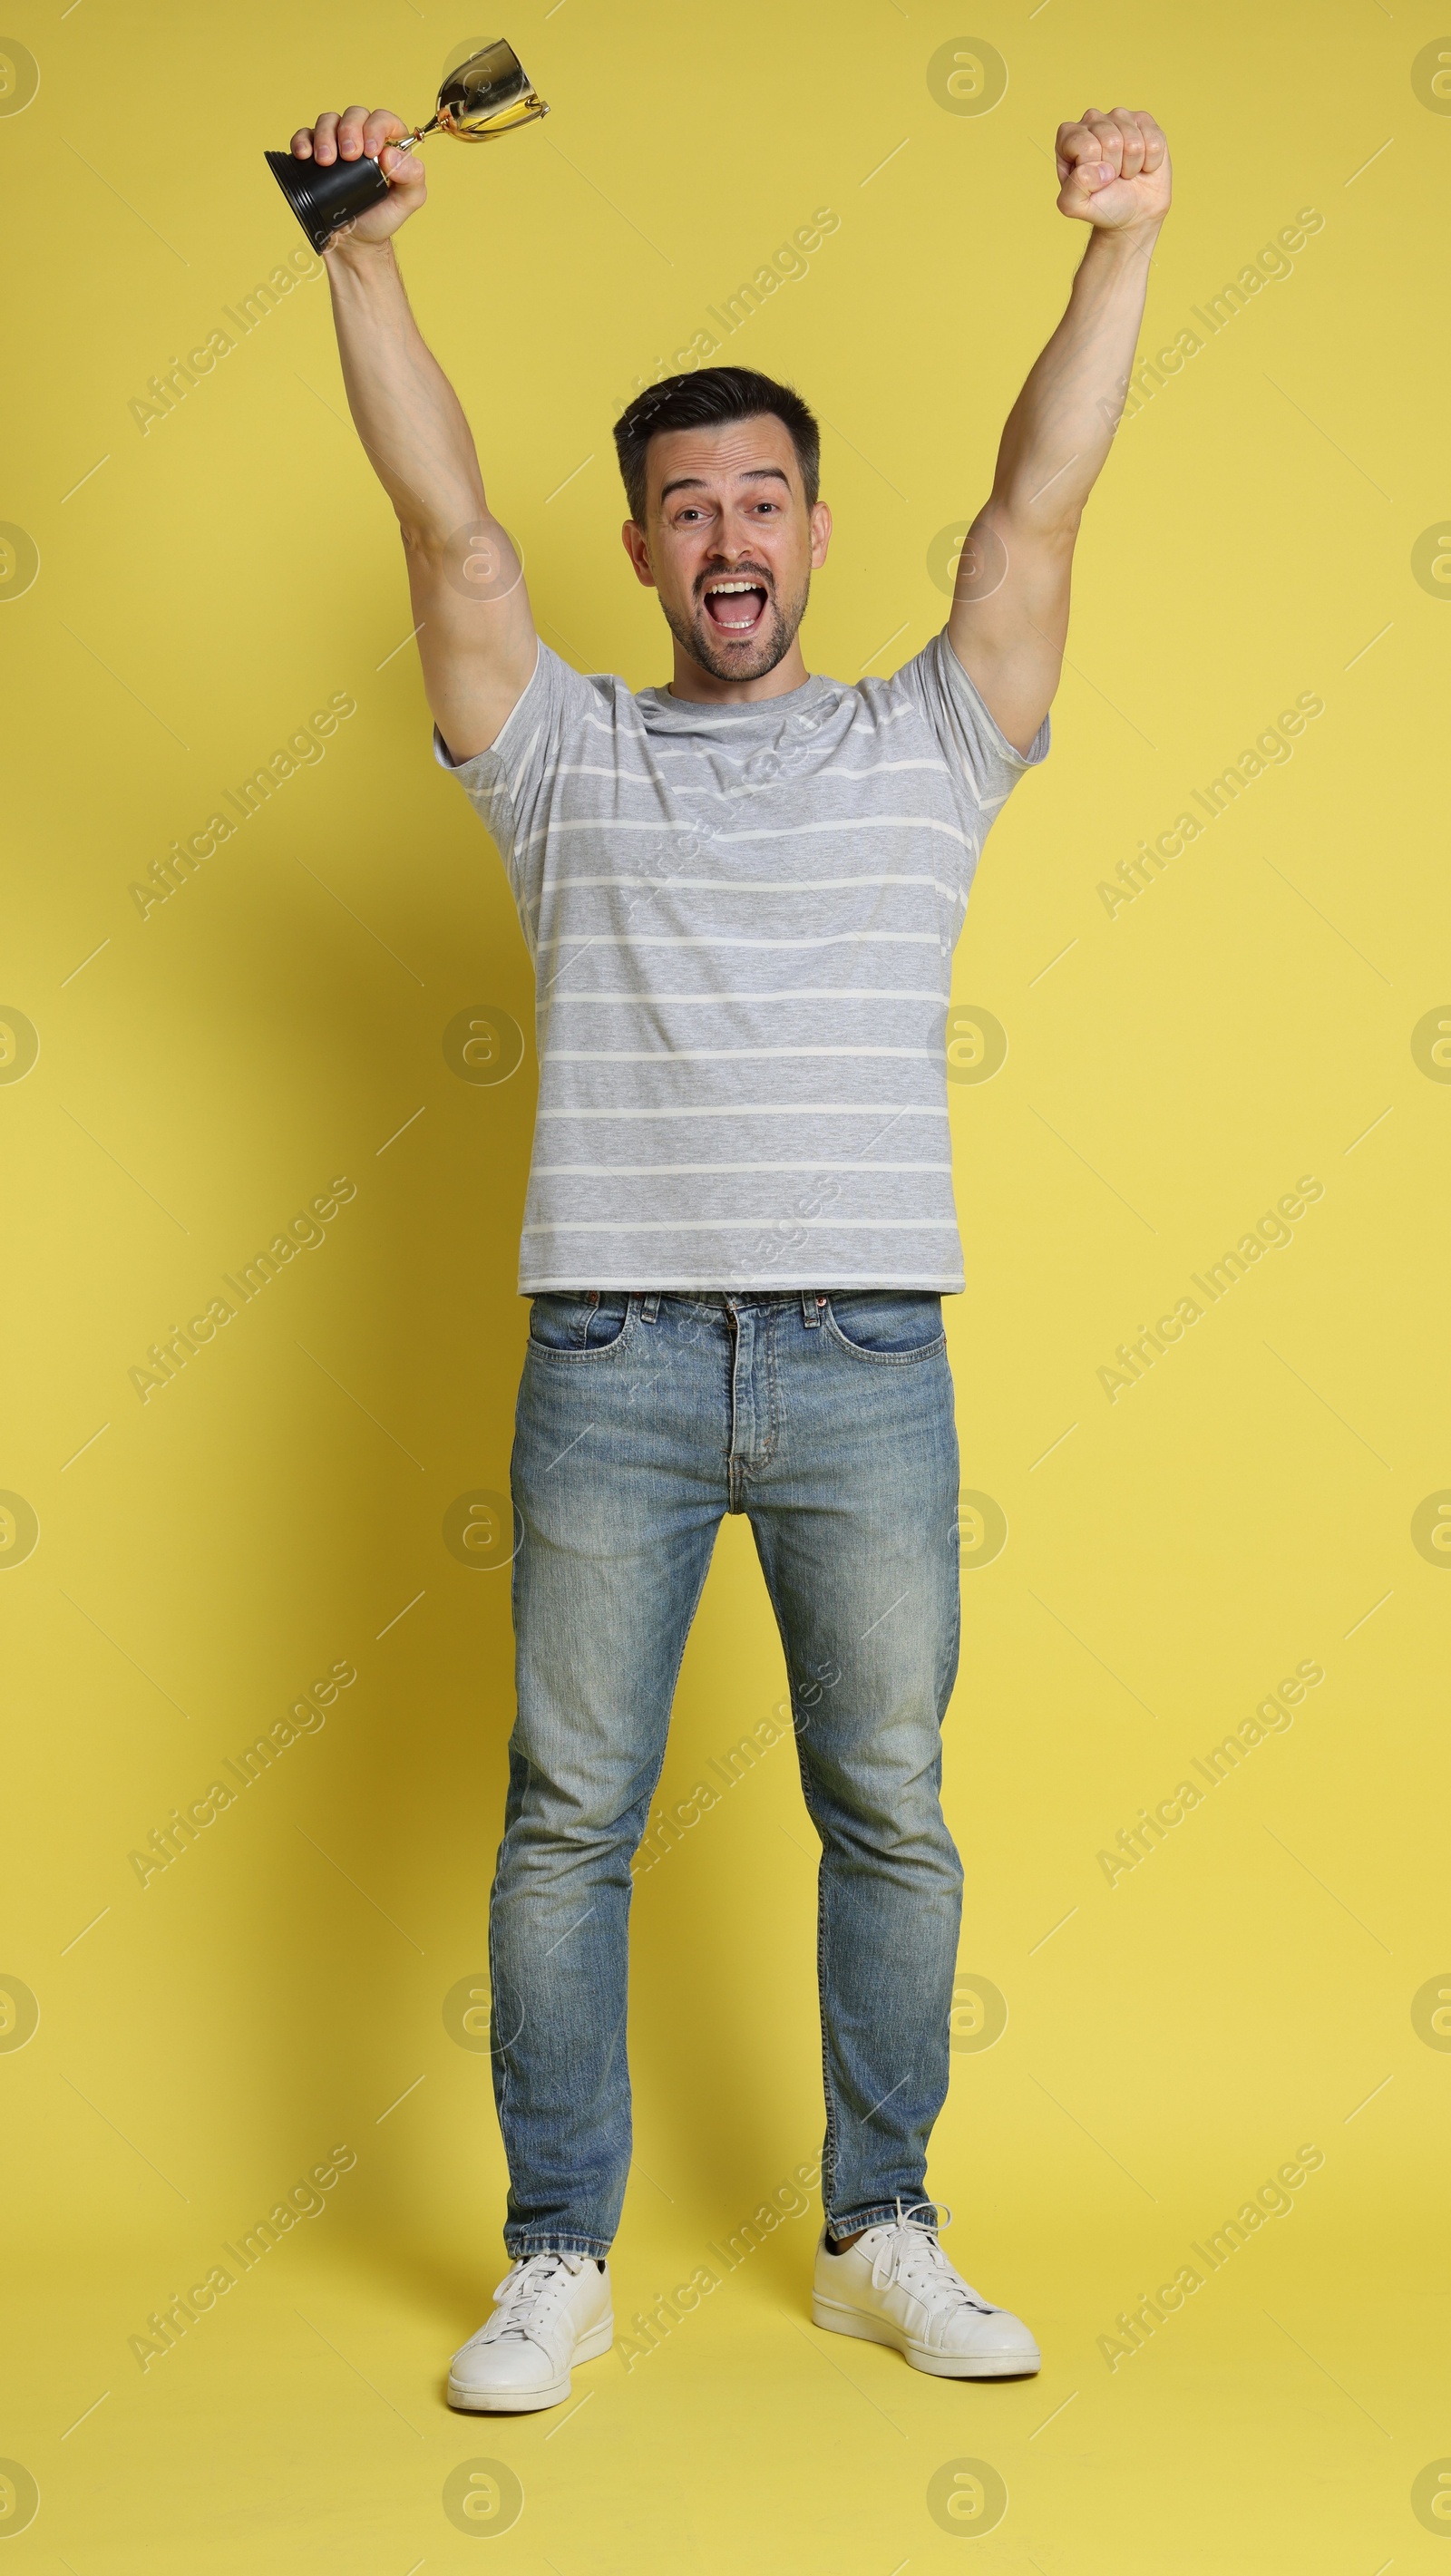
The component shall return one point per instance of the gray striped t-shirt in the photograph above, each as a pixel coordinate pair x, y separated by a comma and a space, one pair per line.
742, 919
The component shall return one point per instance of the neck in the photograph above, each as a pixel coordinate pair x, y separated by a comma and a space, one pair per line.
691, 680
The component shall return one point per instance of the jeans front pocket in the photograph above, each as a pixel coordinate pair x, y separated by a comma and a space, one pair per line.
888, 1324
581, 1324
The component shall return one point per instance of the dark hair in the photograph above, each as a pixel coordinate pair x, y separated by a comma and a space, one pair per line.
709, 398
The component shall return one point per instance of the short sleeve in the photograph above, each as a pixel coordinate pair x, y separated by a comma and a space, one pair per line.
510, 786
985, 766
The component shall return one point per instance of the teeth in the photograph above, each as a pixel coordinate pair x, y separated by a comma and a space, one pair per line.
715, 588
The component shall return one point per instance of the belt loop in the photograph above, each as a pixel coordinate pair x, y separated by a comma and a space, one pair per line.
651, 1307
810, 1303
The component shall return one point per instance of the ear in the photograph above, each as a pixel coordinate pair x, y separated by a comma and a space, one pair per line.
820, 535
637, 547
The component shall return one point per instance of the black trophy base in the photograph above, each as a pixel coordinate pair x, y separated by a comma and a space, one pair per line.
325, 198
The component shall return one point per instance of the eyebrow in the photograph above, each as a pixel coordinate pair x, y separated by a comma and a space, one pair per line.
752, 474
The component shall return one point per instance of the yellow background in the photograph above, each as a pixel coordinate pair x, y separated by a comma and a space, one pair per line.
1171, 1071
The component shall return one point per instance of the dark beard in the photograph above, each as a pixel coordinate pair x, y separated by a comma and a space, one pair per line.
778, 634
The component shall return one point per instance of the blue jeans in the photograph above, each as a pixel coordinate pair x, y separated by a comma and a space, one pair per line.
642, 1419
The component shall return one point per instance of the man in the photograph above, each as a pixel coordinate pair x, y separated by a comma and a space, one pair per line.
741, 892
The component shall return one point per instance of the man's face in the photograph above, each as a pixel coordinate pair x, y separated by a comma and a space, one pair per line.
729, 543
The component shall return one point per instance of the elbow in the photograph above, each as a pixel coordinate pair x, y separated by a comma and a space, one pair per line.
1040, 524
475, 556
425, 540
1048, 513
431, 524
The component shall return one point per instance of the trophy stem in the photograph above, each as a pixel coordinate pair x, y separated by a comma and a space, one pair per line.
419, 134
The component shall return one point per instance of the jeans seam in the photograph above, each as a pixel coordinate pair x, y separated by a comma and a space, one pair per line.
670, 1701
773, 1396
498, 2057
630, 1900
880, 2213
519, 2244
955, 1560
664, 1749
828, 2160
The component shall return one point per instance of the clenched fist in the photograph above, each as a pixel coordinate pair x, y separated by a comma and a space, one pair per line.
346, 138
1113, 169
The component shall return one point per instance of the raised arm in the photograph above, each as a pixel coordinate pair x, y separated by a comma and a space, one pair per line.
475, 631
1009, 616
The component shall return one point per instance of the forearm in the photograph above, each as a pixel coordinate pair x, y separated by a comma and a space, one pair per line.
405, 410
1060, 429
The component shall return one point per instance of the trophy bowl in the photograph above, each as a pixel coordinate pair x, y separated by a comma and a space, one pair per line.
490, 94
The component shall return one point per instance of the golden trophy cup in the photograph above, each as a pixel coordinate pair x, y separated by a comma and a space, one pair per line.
489, 94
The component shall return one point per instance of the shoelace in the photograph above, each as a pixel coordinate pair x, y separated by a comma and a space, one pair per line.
527, 2294
910, 2257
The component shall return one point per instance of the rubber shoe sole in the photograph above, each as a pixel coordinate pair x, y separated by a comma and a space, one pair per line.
835, 2319
528, 2401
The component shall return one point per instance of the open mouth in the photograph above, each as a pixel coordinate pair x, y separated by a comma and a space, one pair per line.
736, 606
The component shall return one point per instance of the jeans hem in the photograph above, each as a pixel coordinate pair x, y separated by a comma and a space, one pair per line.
880, 2213
520, 2247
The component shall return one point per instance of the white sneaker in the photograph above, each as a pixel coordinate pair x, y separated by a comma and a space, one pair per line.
549, 2310
896, 2286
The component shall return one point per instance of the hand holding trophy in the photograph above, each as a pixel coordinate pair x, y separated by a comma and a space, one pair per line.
354, 172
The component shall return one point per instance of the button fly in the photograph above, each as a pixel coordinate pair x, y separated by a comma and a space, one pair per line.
752, 1429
